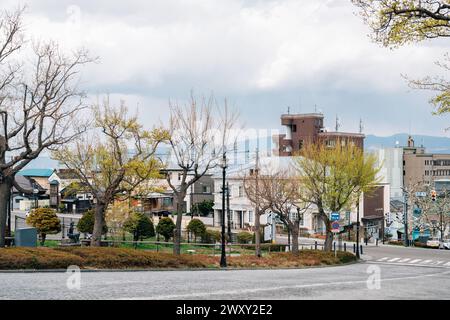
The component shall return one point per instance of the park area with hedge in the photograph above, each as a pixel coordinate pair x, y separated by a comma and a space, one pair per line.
120, 258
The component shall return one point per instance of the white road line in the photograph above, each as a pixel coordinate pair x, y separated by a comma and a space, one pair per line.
405, 260
427, 261
415, 261
383, 259
256, 290
447, 264
393, 260
439, 262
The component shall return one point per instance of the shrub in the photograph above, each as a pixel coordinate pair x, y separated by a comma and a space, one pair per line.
244, 237
165, 228
204, 208
211, 236
86, 223
45, 221
197, 227
140, 226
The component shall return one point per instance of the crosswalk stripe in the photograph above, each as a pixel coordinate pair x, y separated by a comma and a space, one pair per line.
439, 262
447, 264
383, 259
393, 260
427, 261
404, 260
415, 261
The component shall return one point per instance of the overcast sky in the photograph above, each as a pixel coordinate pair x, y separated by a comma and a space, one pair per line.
262, 55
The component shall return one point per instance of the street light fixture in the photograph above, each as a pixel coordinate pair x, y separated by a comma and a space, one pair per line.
223, 257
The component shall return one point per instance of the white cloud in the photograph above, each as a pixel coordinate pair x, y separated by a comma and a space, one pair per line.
160, 49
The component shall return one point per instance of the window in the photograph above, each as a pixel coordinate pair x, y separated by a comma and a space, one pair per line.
206, 189
250, 216
331, 143
294, 128
240, 192
179, 177
300, 145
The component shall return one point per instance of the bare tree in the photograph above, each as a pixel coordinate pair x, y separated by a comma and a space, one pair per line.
199, 134
40, 106
281, 191
428, 213
105, 163
253, 191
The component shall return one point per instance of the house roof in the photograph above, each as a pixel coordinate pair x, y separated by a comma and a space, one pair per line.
67, 174
27, 184
44, 173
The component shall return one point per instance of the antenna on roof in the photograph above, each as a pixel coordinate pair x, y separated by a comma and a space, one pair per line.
315, 108
361, 126
289, 110
338, 125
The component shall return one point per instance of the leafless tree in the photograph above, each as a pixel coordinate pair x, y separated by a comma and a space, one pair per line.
40, 104
280, 190
200, 131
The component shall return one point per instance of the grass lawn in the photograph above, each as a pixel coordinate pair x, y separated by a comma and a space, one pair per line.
122, 258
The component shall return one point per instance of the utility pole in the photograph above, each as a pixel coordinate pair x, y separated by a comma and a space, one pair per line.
257, 213
405, 193
358, 225
223, 257
228, 212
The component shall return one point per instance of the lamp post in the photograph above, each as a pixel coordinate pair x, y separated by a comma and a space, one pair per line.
223, 257
35, 193
405, 195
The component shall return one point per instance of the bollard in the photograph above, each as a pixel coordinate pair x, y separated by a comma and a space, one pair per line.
315, 245
345, 247
334, 244
354, 248
377, 243
361, 249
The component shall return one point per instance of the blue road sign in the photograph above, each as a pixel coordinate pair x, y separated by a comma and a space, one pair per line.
335, 216
335, 227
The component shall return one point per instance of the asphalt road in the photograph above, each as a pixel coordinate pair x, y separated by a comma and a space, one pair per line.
397, 280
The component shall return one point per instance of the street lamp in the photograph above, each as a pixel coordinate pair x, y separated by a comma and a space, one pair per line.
405, 216
35, 193
223, 257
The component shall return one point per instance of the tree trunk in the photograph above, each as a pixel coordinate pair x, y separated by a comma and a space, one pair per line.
42, 237
99, 221
257, 235
177, 231
5, 195
329, 234
295, 232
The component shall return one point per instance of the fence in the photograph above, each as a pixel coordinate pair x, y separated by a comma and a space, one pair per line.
20, 223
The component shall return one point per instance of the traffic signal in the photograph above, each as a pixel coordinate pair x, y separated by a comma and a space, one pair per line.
433, 195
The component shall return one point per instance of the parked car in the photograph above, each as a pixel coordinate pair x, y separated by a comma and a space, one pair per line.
434, 243
446, 244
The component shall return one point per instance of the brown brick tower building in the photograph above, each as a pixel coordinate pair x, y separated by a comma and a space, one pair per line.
302, 129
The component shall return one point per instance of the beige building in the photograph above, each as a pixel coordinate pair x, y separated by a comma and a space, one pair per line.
419, 166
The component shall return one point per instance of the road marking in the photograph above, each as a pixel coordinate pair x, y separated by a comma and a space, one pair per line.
447, 264
256, 290
383, 259
405, 260
427, 261
393, 260
415, 261
439, 262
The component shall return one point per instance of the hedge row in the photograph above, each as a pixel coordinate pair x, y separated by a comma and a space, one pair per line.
118, 258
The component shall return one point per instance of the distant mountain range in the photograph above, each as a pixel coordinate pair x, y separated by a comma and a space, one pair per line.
432, 144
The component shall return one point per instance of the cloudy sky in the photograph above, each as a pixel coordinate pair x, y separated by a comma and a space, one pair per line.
263, 55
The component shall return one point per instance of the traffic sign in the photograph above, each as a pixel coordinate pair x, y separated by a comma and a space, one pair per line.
335, 227
335, 216
421, 194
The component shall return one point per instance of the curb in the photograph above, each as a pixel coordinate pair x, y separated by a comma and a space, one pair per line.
174, 269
